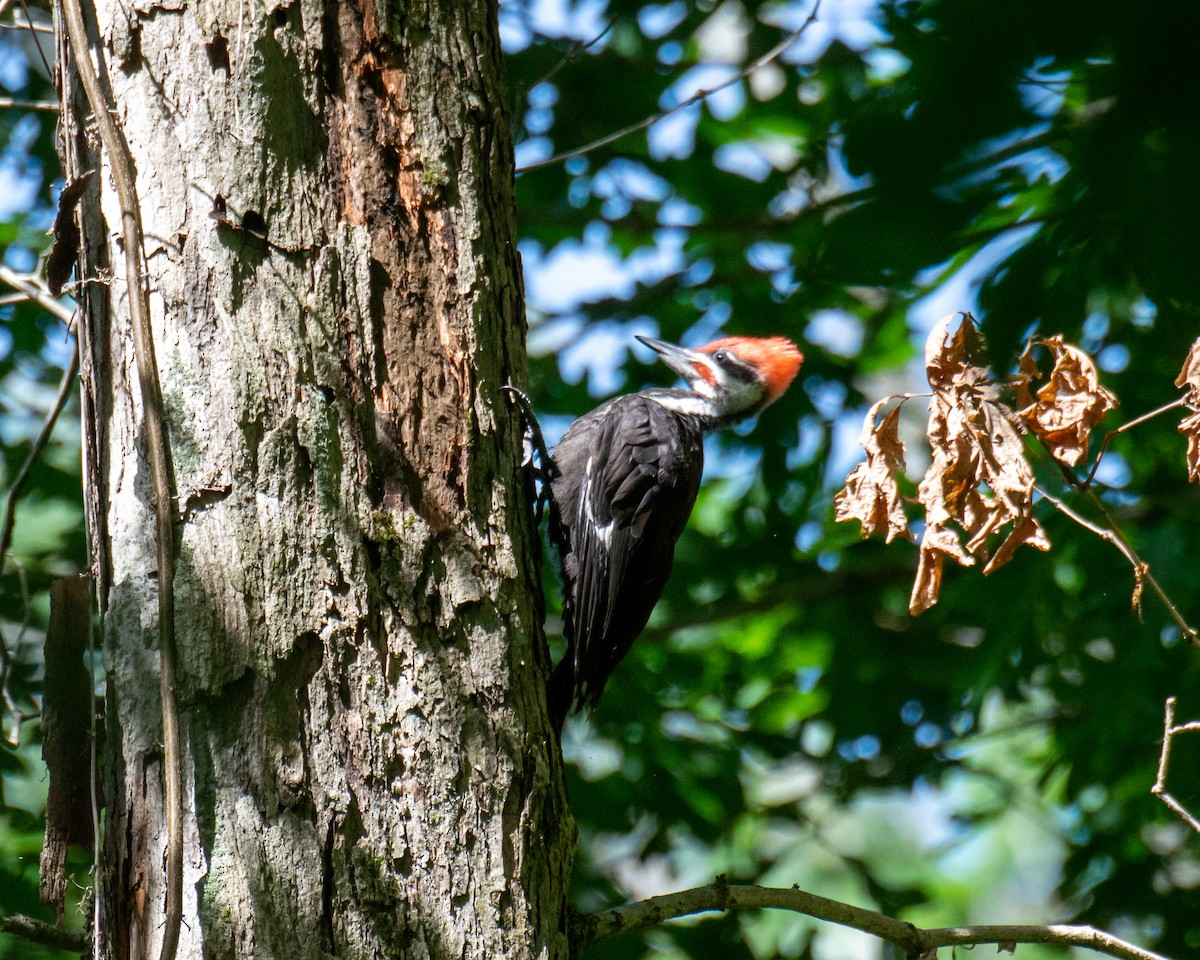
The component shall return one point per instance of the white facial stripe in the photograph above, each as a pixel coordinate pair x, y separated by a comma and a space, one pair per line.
731, 393
688, 405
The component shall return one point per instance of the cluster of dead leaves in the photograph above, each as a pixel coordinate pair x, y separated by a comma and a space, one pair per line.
1189, 377
977, 493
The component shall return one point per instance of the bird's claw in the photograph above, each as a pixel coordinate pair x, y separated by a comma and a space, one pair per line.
534, 446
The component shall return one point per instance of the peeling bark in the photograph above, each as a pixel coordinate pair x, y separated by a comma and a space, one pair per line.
368, 767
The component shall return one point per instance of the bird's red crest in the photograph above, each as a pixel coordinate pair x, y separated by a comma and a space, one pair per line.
777, 358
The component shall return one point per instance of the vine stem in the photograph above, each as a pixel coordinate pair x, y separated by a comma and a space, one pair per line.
124, 179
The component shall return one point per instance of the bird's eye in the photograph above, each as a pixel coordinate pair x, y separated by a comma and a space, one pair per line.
721, 356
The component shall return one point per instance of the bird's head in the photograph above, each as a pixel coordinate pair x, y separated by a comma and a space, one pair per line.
736, 376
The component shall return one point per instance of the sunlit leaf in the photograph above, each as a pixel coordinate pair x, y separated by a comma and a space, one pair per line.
1071, 402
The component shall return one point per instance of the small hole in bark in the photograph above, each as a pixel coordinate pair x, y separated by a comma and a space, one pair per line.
218, 53
254, 224
280, 16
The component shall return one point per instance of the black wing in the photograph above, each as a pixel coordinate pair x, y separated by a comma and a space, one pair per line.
634, 470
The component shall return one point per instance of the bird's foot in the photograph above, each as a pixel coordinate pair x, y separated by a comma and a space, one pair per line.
544, 469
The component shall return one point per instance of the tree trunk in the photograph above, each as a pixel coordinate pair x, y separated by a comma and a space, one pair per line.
368, 769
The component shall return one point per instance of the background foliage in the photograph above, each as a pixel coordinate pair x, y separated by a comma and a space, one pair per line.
784, 720
48, 539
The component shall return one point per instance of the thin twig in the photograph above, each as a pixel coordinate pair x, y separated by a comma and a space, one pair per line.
41, 53
124, 179
15, 493
575, 51
15, 104
1141, 570
914, 941
35, 291
34, 27
750, 68
1102, 532
35, 453
1043, 81
1164, 761
1135, 422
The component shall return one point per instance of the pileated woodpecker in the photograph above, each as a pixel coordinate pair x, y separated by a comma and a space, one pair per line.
627, 477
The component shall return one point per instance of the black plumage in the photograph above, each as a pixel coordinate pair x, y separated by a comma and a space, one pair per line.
629, 475
625, 479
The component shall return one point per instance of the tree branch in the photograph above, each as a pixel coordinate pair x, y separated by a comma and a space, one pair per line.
125, 180
47, 934
35, 452
1141, 569
15, 103
1164, 761
32, 289
1137, 421
591, 928
754, 65
576, 49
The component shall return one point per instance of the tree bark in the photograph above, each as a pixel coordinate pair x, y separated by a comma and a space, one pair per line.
368, 768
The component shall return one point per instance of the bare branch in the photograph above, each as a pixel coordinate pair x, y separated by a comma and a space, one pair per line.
1141, 569
914, 941
1164, 762
29, 24
1135, 422
39, 444
35, 291
31, 27
47, 934
18, 104
576, 50
643, 124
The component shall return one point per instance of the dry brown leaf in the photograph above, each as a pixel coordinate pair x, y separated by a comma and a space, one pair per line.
1190, 427
1027, 373
1028, 531
871, 494
1189, 377
978, 479
952, 468
1069, 404
954, 356
937, 543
